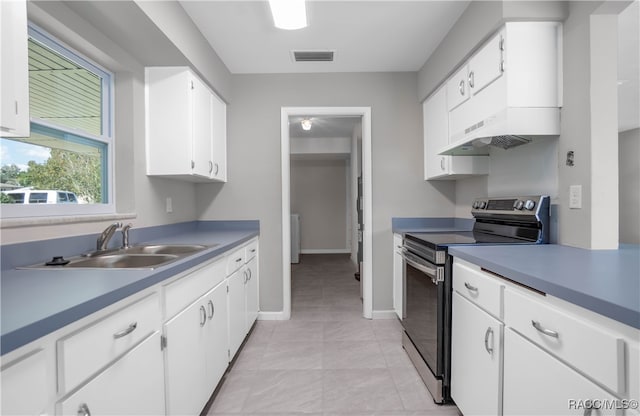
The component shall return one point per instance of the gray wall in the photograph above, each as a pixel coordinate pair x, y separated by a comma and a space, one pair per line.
254, 186
319, 195
629, 148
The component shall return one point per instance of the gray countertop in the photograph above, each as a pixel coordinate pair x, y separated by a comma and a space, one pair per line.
38, 302
604, 281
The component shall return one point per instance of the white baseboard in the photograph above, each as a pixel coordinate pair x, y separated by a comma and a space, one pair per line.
271, 316
325, 251
384, 314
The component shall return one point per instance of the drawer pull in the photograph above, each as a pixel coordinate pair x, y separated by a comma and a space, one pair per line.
239, 259
83, 410
486, 340
126, 331
470, 288
212, 310
253, 250
203, 316
545, 331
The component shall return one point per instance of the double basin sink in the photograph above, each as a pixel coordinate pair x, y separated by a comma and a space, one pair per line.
136, 257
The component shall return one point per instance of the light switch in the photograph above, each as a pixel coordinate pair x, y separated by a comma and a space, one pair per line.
575, 196
169, 205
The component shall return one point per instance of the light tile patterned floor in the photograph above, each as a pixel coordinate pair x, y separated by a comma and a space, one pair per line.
327, 360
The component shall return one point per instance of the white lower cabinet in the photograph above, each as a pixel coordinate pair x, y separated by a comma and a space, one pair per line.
132, 385
476, 363
251, 293
24, 389
398, 276
196, 352
236, 308
536, 383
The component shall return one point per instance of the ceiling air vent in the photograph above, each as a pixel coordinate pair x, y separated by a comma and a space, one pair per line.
313, 56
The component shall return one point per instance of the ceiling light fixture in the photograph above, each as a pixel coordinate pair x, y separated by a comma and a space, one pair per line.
289, 14
306, 124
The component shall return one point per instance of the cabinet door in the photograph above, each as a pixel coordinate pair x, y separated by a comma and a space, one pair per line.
217, 358
236, 308
535, 383
14, 74
133, 385
202, 125
436, 134
486, 66
185, 360
457, 89
398, 276
476, 359
219, 149
24, 384
251, 293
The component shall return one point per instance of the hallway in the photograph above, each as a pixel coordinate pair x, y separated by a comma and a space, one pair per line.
327, 360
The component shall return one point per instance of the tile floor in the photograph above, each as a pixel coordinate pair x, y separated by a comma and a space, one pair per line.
327, 360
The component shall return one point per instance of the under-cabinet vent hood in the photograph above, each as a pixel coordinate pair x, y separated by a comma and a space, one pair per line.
511, 127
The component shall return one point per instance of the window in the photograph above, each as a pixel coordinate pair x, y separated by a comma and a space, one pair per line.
65, 166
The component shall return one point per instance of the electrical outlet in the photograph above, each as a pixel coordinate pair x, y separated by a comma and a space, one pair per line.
169, 205
575, 196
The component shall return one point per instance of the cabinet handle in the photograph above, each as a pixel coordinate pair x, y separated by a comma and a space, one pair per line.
212, 309
470, 288
239, 259
193, 164
471, 79
486, 340
210, 167
461, 87
501, 66
442, 163
253, 250
545, 331
246, 279
217, 169
501, 43
132, 327
83, 410
203, 316
250, 274
17, 107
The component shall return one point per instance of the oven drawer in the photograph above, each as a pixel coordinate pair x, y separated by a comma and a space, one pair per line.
589, 348
479, 287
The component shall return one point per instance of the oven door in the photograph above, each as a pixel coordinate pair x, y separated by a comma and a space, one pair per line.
424, 305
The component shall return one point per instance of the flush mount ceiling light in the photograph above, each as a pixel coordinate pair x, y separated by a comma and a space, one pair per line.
306, 124
289, 14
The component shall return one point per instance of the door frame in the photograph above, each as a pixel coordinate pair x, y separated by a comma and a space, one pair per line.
367, 255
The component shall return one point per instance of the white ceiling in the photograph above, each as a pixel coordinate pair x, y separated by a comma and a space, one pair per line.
323, 126
367, 36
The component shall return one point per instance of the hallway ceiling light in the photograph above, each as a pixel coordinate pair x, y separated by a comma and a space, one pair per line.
306, 124
289, 14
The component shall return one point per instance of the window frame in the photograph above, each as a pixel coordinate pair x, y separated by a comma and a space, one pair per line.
107, 138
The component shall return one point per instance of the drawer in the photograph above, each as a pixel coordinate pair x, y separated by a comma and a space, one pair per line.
479, 287
184, 291
587, 347
235, 260
94, 346
250, 250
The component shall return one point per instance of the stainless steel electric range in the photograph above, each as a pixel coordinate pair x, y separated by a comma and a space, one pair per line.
427, 278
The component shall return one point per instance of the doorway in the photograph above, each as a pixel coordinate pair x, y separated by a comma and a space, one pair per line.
364, 113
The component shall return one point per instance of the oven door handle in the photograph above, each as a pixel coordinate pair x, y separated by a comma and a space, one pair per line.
419, 264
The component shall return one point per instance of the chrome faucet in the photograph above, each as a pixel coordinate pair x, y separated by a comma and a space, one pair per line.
105, 236
125, 235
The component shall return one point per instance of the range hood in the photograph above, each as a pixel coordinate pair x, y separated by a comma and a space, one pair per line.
511, 127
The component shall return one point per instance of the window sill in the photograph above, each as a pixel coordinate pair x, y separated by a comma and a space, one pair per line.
71, 219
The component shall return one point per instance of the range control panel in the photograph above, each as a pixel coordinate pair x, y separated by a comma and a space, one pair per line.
519, 205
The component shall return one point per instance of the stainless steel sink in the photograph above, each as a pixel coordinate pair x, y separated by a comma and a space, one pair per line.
122, 261
167, 249
136, 257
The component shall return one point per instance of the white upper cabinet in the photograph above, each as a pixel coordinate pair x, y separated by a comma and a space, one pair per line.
14, 70
487, 65
457, 88
436, 136
186, 130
